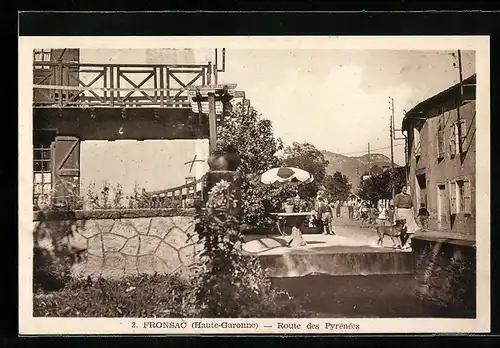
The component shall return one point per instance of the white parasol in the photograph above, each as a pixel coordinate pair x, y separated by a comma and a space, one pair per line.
284, 175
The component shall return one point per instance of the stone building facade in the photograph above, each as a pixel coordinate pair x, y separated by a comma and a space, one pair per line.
441, 173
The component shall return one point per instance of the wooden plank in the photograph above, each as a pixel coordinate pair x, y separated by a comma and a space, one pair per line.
109, 89
129, 103
105, 83
185, 86
214, 88
209, 74
60, 83
111, 84
137, 86
87, 86
123, 65
185, 71
142, 71
162, 85
176, 79
200, 113
69, 172
155, 84
212, 121
167, 71
118, 82
239, 94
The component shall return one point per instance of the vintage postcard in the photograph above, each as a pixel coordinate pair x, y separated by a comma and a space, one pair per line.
250, 185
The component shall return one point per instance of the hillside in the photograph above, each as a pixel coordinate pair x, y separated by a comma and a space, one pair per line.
354, 167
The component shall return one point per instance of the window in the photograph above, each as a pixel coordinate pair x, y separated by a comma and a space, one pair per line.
440, 141
42, 167
453, 139
453, 197
43, 55
460, 196
464, 196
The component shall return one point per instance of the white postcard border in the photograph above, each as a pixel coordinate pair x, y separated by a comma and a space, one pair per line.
29, 325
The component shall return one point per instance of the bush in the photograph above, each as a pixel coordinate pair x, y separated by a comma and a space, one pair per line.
227, 282
147, 296
134, 296
49, 274
53, 255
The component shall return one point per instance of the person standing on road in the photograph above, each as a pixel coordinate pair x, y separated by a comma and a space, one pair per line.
326, 216
338, 204
423, 217
350, 209
323, 214
390, 215
403, 211
357, 209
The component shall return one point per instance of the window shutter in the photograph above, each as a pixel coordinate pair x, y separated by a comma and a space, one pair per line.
467, 198
452, 141
463, 134
66, 170
453, 197
416, 141
440, 141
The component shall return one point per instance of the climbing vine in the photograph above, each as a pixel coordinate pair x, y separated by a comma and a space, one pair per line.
228, 282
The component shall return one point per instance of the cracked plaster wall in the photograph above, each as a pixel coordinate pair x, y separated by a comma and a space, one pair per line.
119, 245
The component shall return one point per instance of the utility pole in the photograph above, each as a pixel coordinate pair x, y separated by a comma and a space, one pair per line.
391, 135
369, 161
459, 122
391, 128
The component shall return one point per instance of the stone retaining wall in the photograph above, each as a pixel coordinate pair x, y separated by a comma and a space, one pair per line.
446, 275
122, 242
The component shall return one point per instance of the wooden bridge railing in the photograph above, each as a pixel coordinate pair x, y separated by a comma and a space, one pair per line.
178, 196
70, 84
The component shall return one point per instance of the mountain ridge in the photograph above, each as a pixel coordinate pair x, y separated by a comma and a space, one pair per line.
355, 166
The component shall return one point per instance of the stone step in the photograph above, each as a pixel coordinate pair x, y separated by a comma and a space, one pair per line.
353, 262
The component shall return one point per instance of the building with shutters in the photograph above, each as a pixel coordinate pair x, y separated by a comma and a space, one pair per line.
123, 117
441, 156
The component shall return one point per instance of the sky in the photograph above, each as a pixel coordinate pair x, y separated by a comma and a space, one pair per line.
337, 100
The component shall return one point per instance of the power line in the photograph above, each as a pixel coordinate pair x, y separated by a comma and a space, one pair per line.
364, 151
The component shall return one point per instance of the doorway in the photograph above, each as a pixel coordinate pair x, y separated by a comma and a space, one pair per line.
422, 188
442, 211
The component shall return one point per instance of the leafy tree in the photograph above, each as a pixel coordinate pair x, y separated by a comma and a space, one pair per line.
337, 186
380, 186
305, 156
253, 137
